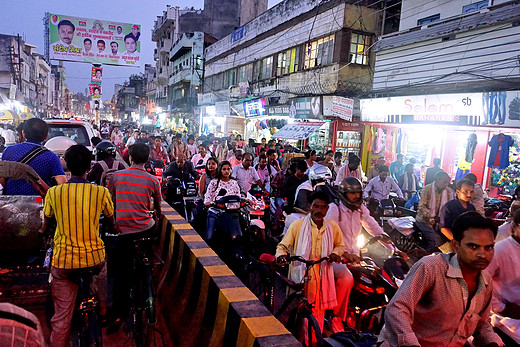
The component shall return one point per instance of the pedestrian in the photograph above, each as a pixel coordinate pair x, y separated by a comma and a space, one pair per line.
445, 298
432, 171
397, 167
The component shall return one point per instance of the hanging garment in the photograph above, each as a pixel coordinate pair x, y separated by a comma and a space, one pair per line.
394, 141
370, 138
461, 173
499, 152
379, 140
399, 140
470, 147
404, 143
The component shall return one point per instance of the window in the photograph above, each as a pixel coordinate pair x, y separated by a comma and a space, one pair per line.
72, 131
359, 47
288, 61
319, 52
266, 68
428, 20
230, 78
245, 73
475, 6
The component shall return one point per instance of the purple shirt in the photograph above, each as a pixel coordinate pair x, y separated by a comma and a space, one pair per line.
47, 165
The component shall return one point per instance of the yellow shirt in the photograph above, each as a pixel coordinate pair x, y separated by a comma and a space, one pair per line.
290, 241
77, 208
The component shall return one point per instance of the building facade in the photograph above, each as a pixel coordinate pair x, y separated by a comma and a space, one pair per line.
448, 83
298, 55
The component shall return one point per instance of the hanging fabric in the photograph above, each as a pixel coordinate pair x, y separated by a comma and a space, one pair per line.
471, 145
499, 152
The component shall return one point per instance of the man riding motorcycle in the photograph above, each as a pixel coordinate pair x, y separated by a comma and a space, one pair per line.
351, 215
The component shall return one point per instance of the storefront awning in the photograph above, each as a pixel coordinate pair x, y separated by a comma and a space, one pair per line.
298, 131
6, 116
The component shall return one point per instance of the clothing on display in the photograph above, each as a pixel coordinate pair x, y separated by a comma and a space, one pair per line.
470, 147
499, 152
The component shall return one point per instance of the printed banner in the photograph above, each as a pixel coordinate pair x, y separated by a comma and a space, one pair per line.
94, 41
298, 131
342, 107
97, 74
94, 91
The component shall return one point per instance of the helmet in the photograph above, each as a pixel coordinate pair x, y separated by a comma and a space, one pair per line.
59, 144
103, 150
351, 185
319, 173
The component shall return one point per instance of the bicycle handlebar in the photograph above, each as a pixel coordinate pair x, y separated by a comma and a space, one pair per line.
308, 263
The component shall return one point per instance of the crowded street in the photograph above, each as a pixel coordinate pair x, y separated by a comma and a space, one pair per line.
261, 173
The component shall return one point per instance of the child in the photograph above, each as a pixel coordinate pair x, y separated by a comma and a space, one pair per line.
76, 206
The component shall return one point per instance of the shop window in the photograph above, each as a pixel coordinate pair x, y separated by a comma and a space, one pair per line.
266, 68
319, 52
429, 19
475, 6
359, 48
230, 78
218, 80
288, 61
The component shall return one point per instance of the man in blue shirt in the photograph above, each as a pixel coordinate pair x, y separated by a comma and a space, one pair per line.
397, 167
45, 163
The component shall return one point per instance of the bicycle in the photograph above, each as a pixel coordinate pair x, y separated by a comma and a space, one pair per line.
142, 293
303, 309
88, 330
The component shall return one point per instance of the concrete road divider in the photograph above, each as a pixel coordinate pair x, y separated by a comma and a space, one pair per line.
202, 303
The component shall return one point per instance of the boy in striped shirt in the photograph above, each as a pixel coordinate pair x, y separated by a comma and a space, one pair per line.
76, 207
133, 191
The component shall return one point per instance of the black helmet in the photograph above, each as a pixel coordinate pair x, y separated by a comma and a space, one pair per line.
351, 185
103, 150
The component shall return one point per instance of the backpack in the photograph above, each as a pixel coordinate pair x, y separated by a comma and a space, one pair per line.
107, 174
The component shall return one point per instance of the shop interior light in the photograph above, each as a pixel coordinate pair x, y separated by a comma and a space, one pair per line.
158, 109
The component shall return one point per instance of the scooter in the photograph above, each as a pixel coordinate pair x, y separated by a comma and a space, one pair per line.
373, 287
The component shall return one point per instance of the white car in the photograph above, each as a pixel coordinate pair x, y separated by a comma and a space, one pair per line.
80, 132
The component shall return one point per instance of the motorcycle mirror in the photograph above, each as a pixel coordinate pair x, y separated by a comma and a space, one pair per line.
222, 192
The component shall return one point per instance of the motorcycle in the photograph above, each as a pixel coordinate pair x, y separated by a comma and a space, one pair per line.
374, 286
182, 195
224, 232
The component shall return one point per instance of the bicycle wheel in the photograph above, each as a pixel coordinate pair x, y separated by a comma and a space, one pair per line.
258, 281
90, 333
297, 324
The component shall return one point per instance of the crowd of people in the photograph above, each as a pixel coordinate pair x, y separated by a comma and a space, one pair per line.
446, 298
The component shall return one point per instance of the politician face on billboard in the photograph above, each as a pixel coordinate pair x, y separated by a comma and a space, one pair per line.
94, 41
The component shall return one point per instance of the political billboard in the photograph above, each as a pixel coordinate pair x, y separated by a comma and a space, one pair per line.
96, 75
94, 41
94, 91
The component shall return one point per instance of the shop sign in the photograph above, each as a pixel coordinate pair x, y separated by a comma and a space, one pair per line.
349, 126
222, 108
342, 107
489, 109
298, 131
205, 99
278, 110
238, 34
306, 108
255, 108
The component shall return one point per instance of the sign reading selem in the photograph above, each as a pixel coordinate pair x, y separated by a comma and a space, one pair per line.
94, 41
490, 109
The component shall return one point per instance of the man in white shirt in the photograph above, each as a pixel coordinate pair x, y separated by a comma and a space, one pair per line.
381, 186
65, 47
351, 216
246, 175
506, 283
352, 168
117, 137
265, 172
131, 46
202, 155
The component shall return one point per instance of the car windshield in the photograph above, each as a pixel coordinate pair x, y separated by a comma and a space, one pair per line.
74, 132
